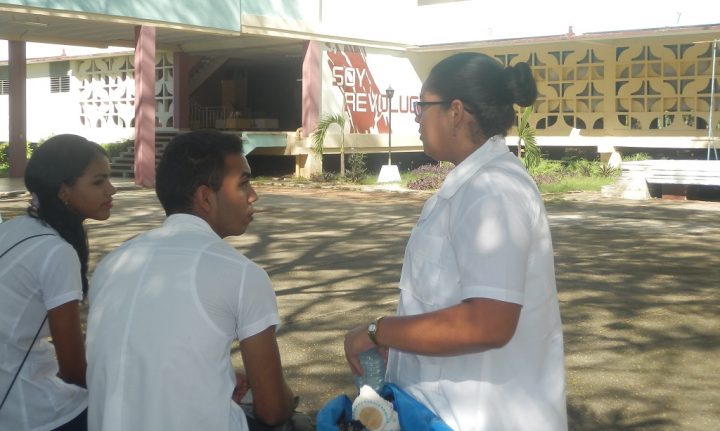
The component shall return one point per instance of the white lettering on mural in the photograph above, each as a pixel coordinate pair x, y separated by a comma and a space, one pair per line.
364, 102
348, 76
359, 100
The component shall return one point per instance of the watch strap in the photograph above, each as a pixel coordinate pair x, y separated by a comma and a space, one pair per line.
373, 334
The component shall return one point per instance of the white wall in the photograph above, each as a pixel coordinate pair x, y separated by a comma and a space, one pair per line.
47, 50
51, 114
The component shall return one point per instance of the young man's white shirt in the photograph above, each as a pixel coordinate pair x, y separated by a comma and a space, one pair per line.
164, 310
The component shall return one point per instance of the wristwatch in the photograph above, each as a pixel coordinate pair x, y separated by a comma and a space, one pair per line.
372, 330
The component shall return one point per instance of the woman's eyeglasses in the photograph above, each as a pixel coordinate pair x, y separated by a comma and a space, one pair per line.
418, 106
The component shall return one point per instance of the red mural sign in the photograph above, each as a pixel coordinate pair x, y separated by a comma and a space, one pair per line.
364, 102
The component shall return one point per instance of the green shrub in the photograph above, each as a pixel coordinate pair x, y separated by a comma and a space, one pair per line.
357, 167
580, 167
29, 148
5, 152
606, 171
637, 157
548, 168
430, 176
323, 177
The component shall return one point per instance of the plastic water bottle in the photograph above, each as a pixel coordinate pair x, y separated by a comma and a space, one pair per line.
373, 366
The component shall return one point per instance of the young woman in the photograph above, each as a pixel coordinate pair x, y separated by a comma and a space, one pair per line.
477, 336
43, 277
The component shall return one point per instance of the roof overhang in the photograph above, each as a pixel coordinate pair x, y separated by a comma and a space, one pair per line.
705, 32
256, 41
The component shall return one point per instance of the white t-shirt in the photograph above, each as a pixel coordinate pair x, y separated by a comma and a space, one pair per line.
37, 275
485, 234
164, 309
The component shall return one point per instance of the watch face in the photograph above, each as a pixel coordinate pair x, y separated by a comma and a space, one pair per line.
372, 328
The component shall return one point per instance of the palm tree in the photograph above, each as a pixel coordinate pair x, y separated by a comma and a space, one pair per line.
318, 137
526, 135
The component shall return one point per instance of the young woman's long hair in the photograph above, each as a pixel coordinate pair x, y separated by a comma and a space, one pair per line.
62, 159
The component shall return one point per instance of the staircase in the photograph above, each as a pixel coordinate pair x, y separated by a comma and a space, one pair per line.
203, 70
123, 166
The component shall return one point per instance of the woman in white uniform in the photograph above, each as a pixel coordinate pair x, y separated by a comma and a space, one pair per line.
477, 336
43, 277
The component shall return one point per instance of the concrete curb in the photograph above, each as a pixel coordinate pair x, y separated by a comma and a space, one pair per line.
392, 188
12, 194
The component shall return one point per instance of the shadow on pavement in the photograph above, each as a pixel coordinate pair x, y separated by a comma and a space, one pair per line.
638, 285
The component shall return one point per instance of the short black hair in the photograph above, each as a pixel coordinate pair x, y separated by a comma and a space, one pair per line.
487, 88
191, 160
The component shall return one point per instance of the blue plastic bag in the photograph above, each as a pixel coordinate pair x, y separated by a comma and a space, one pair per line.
413, 415
337, 410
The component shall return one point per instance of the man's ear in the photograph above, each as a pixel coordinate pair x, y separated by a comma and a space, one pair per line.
203, 201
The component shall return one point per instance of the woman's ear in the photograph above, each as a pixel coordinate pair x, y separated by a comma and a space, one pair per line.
458, 110
64, 193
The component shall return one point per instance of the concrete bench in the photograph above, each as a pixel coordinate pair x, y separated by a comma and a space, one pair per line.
672, 176
688, 172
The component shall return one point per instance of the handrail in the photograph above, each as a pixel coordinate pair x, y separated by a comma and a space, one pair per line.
205, 117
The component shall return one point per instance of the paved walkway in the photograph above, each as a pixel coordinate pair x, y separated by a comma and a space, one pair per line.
638, 285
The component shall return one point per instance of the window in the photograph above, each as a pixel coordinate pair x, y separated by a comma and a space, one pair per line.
60, 84
4, 87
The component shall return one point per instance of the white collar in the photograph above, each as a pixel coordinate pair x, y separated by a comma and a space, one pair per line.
492, 148
191, 221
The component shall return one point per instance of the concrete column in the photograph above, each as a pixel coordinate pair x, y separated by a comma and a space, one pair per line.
300, 162
307, 164
181, 97
145, 106
610, 115
311, 87
610, 155
17, 107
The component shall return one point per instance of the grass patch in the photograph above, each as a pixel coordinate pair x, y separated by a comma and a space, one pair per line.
4, 171
556, 185
576, 184
408, 177
550, 176
368, 180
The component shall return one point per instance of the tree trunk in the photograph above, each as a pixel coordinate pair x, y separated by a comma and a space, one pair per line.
519, 148
342, 154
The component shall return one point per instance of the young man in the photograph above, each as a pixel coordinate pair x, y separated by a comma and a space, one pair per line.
166, 306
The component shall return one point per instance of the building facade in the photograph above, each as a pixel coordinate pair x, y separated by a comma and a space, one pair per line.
270, 70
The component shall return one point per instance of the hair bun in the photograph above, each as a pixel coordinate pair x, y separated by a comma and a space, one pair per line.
520, 84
